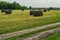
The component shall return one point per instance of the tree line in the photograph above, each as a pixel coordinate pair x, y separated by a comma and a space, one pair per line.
14, 5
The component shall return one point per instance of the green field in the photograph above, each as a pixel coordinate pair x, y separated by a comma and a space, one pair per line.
55, 36
20, 20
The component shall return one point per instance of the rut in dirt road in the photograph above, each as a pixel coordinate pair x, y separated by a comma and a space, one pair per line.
42, 35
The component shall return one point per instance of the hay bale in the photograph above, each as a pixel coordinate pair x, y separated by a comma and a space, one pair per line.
48, 9
44, 10
22, 9
41, 13
2, 10
8, 11
31, 12
38, 13
33, 9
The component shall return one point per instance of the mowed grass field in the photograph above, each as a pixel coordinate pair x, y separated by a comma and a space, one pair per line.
21, 20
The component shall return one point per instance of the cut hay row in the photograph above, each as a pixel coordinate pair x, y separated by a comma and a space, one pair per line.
42, 35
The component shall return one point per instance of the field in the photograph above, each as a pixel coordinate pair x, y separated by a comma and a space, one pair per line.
20, 20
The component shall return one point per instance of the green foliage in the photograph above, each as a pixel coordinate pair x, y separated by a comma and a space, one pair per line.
30, 7
7, 5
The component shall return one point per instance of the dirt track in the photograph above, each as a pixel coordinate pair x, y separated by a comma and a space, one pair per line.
42, 35
4, 36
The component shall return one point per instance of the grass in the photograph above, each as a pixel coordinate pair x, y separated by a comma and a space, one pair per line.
55, 36
32, 33
21, 20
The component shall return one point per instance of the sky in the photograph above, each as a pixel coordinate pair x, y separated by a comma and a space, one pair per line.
37, 3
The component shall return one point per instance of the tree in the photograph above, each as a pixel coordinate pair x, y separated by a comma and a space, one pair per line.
30, 7
14, 5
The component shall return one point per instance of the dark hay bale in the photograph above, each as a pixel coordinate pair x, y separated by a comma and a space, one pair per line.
41, 13
31, 12
44, 10
2, 10
38, 13
33, 9
22, 9
51, 8
48, 9
8, 11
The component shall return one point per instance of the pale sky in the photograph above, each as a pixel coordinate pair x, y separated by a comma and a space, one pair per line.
37, 3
